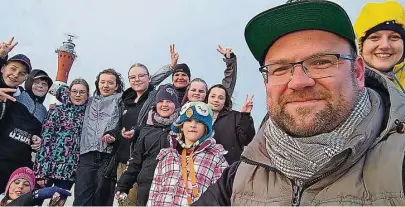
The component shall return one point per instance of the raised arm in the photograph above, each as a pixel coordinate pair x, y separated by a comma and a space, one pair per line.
230, 73
244, 122
61, 92
5, 48
166, 70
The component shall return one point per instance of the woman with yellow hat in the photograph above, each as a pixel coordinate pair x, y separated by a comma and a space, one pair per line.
380, 31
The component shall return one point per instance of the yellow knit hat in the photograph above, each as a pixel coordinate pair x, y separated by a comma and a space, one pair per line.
375, 13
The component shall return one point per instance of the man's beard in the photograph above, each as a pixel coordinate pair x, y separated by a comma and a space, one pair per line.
336, 111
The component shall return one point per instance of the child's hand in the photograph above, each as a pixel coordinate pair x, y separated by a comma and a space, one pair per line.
127, 134
120, 196
6, 47
174, 56
226, 52
248, 105
4, 96
108, 139
36, 143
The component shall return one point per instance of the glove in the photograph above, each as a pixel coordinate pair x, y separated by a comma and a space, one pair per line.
45, 193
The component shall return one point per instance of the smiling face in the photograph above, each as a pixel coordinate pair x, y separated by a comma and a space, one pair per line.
180, 80
192, 130
383, 49
78, 94
40, 87
305, 106
138, 79
217, 98
18, 187
165, 108
14, 73
197, 91
107, 84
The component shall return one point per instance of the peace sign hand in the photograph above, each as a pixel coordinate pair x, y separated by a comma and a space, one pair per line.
227, 51
4, 96
174, 56
6, 47
248, 105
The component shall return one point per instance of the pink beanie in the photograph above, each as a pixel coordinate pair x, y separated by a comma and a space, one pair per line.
24, 173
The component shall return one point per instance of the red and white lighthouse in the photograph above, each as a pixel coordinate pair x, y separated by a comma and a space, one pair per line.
66, 57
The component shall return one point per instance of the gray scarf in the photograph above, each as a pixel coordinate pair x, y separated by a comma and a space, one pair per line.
157, 119
303, 157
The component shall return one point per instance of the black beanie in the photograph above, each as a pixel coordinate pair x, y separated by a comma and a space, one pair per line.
388, 25
182, 67
167, 92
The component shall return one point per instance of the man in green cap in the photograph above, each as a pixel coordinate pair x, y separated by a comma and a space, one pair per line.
335, 132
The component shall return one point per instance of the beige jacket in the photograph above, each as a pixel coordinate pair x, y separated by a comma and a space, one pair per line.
368, 172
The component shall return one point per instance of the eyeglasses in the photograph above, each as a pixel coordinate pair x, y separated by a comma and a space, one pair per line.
140, 76
81, 93
321, 66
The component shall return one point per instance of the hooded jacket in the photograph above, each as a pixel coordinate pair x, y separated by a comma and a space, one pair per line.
141, 166
369, 171
34, 103
375, 13
58, 156
168, 188
21, 120
134, 115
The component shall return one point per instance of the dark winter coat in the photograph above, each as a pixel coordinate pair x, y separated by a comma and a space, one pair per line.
134, 115
233, 130
141, 166
17, 126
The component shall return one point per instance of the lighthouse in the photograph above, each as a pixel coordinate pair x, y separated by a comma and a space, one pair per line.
66, 57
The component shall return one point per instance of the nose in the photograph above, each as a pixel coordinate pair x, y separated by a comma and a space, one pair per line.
385, 43
20, 185
300, 79
193, 123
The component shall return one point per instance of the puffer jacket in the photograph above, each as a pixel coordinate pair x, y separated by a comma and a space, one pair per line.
370, 170
373, 14
142, 164
168, 188
58, 156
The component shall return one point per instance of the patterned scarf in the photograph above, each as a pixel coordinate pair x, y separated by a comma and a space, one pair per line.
157, 119
303, 157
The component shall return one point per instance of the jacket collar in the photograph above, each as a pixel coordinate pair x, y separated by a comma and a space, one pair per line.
387, 106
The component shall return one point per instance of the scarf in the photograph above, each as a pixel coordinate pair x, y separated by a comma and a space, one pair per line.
303, 157
157, 119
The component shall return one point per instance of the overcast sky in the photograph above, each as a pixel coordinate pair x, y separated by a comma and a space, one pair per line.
119, 33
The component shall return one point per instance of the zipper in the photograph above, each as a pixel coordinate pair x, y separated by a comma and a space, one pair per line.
298, 185
297, 188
